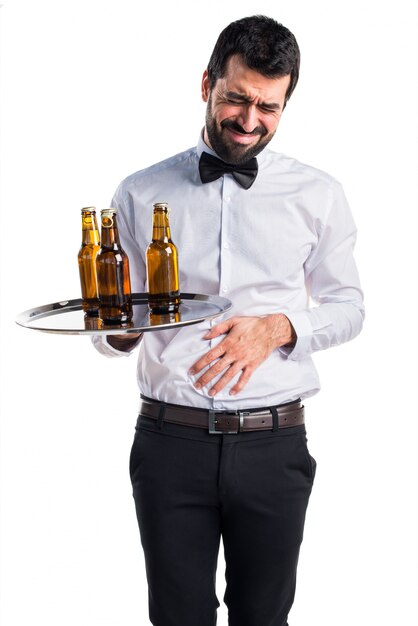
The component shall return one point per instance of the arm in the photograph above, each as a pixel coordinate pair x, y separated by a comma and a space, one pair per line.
332, 283
116, 345
125, 343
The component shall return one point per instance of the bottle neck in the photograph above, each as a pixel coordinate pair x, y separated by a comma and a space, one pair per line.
110, 234
161, 226
89, 230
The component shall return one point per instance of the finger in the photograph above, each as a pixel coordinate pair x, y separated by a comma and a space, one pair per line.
211, 373
216, 353
242, 381
224, 380
220, 329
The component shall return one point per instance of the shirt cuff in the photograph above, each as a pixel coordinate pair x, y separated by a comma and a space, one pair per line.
102, 346
304, 331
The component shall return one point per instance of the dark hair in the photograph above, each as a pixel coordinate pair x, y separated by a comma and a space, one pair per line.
264, 45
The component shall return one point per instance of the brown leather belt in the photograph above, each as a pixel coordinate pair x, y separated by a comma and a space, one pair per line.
225, 422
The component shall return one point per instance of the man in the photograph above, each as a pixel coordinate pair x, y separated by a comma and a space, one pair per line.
220, 447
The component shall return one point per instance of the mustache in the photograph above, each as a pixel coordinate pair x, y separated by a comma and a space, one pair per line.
258, 130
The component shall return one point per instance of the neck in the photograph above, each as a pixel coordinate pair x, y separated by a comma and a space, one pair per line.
109, 237
160, 227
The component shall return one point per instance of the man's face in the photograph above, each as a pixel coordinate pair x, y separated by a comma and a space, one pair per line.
243, 111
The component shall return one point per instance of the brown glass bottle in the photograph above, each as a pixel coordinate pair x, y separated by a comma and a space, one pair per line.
160, 319
90, 246
162, 264
115, 303
92, 323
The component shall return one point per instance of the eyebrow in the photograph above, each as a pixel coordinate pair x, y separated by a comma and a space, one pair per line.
242, 98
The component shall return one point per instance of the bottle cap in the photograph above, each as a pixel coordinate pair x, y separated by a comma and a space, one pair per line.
110, 211
90, 209
107, 216
160, 205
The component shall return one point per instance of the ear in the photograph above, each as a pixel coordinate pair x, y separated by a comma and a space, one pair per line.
205, 87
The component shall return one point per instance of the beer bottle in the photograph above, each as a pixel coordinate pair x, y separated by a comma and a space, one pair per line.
159, 319
162, 264
92, 323
115, 303
90, 246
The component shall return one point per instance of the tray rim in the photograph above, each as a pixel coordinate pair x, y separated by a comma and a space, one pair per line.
64, 306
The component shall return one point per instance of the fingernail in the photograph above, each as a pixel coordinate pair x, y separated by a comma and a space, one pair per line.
232, 392
192, 372
198, 386
212, 392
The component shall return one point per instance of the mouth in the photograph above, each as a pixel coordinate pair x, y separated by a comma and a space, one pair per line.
240, 136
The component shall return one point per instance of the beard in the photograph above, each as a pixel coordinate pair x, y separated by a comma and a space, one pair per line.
228, 150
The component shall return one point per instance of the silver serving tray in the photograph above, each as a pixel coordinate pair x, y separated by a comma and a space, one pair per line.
67, 317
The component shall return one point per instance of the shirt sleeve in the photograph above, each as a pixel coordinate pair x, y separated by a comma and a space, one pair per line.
332, 283
101, 344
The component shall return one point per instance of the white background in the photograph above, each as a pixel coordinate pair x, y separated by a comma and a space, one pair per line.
93, 91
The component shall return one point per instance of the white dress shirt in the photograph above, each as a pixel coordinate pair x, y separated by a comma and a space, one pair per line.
283, 246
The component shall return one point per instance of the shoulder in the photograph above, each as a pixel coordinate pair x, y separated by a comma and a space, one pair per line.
314, 191
162, 169
289, 166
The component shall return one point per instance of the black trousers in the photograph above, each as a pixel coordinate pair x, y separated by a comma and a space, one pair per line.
191, 488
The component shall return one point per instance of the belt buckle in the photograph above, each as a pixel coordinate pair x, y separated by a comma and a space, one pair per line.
213, 422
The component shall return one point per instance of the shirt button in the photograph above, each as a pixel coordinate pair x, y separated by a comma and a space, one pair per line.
228, 198
226, 245
224, 288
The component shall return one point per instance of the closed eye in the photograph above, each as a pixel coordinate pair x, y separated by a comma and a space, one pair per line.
238, 100
269, 108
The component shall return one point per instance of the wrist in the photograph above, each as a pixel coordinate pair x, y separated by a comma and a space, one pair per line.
282, 331
124, 343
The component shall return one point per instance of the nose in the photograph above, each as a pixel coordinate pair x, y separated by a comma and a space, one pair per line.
248, 117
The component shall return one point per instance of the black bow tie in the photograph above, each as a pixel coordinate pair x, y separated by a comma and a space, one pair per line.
211, 168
